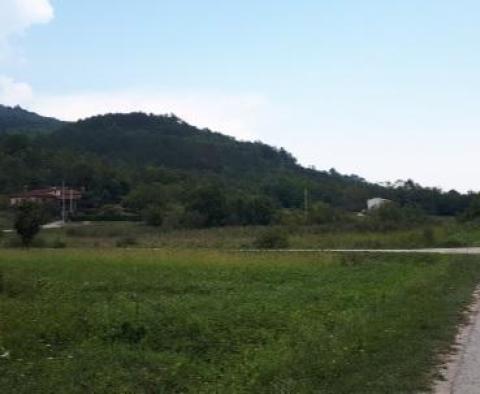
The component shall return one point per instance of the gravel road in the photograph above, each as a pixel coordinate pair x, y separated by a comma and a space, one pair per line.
462, 371
465, 251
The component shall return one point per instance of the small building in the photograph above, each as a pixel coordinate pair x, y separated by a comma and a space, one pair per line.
60, 196
377, 202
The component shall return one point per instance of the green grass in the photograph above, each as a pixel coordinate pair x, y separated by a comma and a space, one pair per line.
111, 234
143, 321
441, 233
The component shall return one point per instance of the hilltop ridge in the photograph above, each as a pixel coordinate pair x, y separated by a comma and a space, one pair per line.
17, 119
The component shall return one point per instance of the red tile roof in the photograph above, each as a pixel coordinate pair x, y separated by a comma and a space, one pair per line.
57, 193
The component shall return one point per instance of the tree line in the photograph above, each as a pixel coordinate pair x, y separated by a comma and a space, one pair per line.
167, 172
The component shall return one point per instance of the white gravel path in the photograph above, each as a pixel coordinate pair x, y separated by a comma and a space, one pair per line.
463, 251
462, 372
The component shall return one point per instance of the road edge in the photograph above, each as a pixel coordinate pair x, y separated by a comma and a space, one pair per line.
452, 361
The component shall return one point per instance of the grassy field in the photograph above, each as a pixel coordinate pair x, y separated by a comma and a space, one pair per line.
112, 234
143, 321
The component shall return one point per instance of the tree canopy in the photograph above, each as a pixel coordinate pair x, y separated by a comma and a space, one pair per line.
138, 161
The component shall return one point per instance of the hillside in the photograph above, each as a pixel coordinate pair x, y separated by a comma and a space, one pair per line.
16, 119
162, 163
142, 139
137, 141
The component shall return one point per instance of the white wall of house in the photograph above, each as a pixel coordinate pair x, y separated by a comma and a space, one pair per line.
377, 202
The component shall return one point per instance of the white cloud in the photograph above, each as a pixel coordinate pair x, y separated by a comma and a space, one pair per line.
19, 15
13, 93
237, 115
16, 16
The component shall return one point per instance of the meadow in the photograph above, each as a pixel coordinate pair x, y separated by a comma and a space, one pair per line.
165, 321
446, 233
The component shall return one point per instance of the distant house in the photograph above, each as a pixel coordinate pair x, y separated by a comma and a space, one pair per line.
56, 195
377, 202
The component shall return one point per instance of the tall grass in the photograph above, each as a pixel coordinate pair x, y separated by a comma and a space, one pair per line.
112, 234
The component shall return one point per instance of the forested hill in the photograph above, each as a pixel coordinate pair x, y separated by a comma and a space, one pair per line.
138, 161
16, 119
141, 139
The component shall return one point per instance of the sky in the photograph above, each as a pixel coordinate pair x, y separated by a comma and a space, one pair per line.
386, 90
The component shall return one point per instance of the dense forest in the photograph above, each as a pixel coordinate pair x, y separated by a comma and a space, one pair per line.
167, 171
17, 119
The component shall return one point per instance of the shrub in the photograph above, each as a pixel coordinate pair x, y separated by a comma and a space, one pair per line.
127, 333
454, 241
153, 215
393, 217
59, 244
17, 243
4, 202
428, 236
272, 239
290, 217
472, 212
194, 219
126, 242
28, 220
173, 216
251, 211
322, 213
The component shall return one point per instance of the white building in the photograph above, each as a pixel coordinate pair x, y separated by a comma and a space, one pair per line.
377, 202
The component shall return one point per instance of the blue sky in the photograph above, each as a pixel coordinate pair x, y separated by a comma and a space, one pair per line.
383, 89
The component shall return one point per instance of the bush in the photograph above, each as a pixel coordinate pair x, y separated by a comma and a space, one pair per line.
59, 244
454, 241
17, 243
194, 219
100, 217
173, 217
428, 236
273, 239
251, 211
472, 213
28, 220
394, 217
153, 215
126, 242
4, 202
322, 213
290, 217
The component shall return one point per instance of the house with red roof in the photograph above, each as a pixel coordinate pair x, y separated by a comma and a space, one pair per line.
62, 196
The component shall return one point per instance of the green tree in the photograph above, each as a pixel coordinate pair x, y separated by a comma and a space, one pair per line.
257, 210
473, 210
210, 203
28, 220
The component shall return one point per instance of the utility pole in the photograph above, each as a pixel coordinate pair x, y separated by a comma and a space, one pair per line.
63, 202
306, 204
